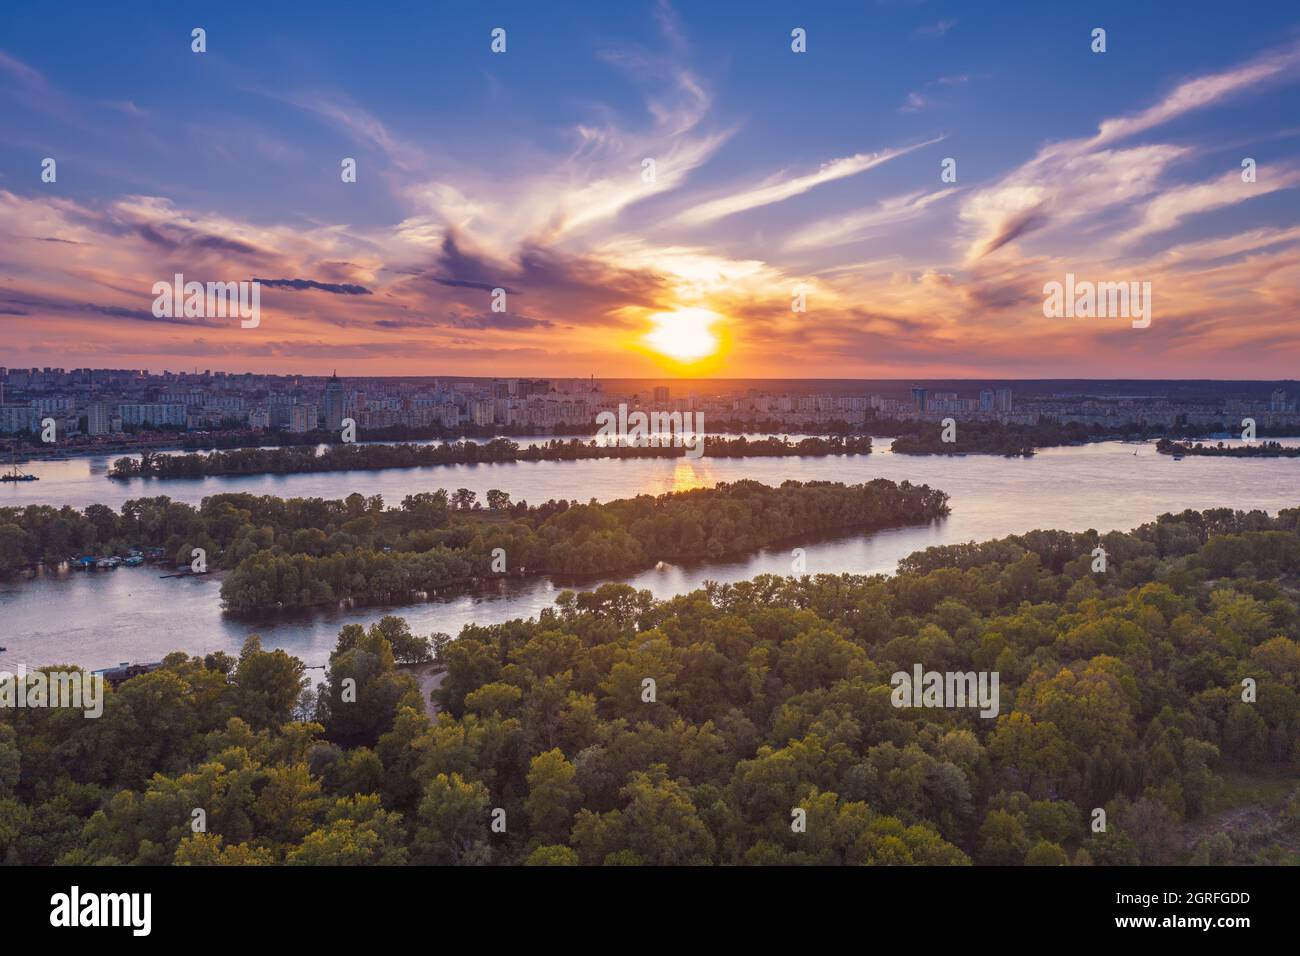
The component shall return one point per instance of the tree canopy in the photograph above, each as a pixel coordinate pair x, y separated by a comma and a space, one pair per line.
748, 723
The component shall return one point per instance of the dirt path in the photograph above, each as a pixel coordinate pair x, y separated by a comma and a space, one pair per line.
430, 678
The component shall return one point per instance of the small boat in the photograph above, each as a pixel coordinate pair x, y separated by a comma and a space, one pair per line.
134, 561
1178, 457
13, 474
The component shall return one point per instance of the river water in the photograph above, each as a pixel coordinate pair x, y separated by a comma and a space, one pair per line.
101, 618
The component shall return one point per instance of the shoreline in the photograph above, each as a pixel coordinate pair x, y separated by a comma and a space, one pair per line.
882, 430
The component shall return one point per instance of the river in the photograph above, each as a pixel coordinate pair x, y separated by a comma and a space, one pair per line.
100, 618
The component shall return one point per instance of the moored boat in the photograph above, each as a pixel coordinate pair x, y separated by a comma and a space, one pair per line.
13, 474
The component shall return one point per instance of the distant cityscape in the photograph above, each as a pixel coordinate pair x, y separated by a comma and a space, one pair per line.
91, 407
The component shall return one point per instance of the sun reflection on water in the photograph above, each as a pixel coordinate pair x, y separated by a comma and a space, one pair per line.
689, 474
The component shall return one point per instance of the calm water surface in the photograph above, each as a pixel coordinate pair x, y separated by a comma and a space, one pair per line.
101, 618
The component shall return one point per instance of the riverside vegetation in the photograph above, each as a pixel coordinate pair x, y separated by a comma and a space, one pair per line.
1015, 441
1265, 449
301, 552
987, 438
373, 457
1121, 691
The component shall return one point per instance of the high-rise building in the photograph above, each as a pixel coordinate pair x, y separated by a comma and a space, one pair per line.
661, 394
986, 400
17, 418
918, 398
303, 418
98, 418
334, 403
1004, 399
482, 411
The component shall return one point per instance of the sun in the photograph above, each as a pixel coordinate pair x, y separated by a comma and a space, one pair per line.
684, 334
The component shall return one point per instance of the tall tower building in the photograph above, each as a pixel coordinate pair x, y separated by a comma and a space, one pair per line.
333, 403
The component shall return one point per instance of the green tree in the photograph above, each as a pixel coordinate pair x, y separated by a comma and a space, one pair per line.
552, 796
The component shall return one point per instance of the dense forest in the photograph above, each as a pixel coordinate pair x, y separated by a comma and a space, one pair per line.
301, 552
372, 457
1265, 449
1122, 691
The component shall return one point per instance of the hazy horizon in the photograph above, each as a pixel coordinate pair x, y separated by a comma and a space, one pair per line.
704, 382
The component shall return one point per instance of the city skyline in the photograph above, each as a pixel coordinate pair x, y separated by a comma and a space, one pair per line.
89, 407
774, 172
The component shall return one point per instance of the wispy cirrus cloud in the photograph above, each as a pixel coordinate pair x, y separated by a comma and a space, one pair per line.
611, 163
1197, 93
781, 187
915, 102
359, 124
937, 29
855, 226
923, 99
1057, 193
1176, 204
28, 76
1071, 179
1222, 247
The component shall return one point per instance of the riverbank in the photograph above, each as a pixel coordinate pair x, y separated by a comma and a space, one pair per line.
1264, 449
378, 457
189, 442
104, 618
299, 553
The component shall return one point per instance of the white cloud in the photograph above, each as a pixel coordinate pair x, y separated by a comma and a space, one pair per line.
781, 187
852, 227
1073, 179
1172, 206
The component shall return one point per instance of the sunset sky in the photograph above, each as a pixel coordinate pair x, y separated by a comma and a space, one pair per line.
773, 171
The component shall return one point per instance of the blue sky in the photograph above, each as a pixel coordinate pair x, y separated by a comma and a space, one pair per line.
522, 170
